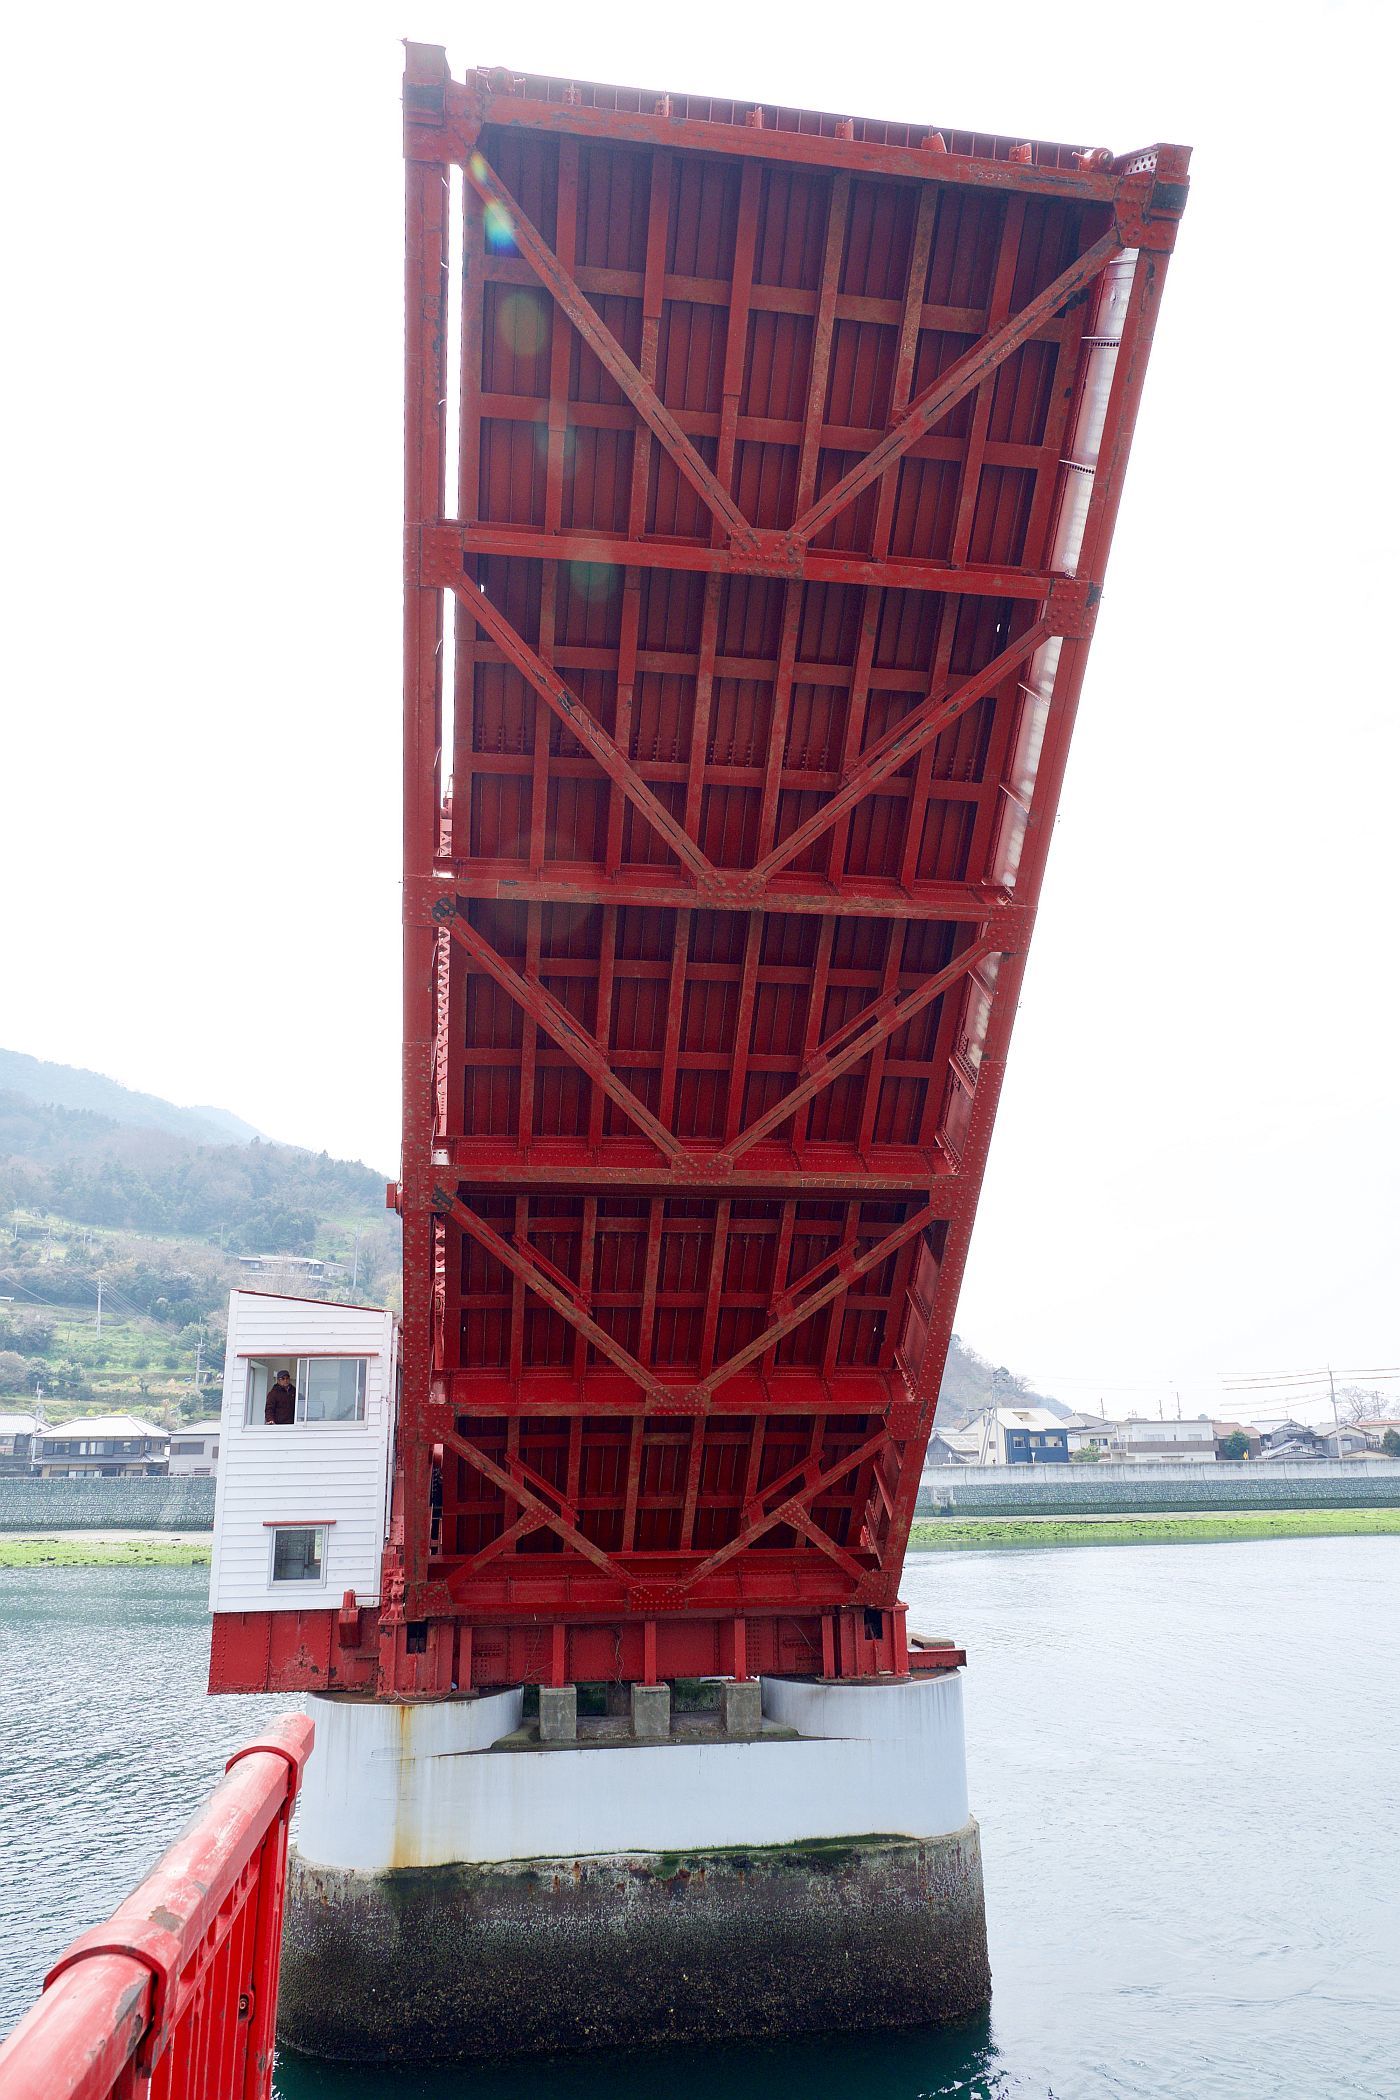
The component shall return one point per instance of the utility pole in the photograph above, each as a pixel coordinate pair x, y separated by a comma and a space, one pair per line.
99, 1304
198, 1360
355, 1270
1336, 1418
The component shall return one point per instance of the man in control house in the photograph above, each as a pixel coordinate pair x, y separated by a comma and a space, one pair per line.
281, 1405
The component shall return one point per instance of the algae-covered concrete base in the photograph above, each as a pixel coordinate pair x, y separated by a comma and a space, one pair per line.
534, 1955
469, 1882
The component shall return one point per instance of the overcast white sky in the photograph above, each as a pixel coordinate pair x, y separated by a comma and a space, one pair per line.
1195, 1169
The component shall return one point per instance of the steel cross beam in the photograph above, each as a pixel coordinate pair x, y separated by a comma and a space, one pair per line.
606, 348
851, 1042
977, 903
534, 999
770, 554
961, 377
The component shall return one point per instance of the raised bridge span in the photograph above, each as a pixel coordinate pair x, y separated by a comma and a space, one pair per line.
761, 473
784, 491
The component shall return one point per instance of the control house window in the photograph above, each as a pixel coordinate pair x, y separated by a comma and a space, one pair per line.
292, 1389
299, 1553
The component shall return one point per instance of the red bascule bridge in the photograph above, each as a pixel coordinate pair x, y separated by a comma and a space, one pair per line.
761, 473
760, 485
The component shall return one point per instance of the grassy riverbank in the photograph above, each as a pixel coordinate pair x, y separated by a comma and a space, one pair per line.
154, 1552
957, 1534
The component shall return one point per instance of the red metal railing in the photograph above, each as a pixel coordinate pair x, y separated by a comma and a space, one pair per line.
175, 1997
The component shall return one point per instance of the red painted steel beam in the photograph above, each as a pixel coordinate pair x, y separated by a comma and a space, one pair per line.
776, 1171
443, 546
922, 726
449, 127
1007, 917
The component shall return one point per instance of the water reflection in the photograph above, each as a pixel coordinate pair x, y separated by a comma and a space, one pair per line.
923, 2065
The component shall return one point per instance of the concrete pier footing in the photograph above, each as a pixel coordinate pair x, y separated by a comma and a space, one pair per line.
467, 1884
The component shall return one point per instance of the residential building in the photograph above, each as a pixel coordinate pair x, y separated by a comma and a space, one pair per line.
955, 1447
1356, 1440
296, 1264
1090, 1433
194, 1451
17, 1436
108, 1445
1171, 1442
1015, 1436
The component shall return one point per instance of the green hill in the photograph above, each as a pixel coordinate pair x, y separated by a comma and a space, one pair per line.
146, 1204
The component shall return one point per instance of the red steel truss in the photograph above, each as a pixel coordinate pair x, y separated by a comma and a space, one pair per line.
741, 669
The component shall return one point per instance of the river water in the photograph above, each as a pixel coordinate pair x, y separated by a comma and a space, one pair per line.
1185, 1759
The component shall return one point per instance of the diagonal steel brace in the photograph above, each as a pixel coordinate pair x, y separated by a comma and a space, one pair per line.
606, 348
961, 378
535, 999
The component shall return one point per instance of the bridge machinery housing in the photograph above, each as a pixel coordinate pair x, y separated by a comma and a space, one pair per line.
761, 471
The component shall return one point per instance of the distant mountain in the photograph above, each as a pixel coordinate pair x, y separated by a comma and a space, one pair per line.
68, 1086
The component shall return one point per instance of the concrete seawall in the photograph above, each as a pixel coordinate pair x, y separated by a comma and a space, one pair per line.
1110, 1490
179, 1504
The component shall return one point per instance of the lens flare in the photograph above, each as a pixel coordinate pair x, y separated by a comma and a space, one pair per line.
521, 323
593, 580
500, 232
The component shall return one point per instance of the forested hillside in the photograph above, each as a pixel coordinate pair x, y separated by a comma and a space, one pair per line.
250, 1197
148, 1219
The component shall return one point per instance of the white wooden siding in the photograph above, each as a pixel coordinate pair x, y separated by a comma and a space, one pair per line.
332, 1473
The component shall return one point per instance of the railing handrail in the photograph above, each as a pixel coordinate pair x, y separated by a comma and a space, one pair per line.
112, 2003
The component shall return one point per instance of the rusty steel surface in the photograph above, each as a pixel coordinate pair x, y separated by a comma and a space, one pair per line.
744, 629
175, 1997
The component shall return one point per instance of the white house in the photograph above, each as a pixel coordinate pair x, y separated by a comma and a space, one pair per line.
1170, 1442
194, 1451
301, 1507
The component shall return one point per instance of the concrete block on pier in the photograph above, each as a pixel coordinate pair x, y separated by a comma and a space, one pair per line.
558, 1713
651, 1712
741, 1705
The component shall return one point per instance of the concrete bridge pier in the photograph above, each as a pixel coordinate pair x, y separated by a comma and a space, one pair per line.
467, 1883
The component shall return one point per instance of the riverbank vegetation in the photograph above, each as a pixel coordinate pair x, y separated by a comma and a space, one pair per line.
955, 1534
154, 1552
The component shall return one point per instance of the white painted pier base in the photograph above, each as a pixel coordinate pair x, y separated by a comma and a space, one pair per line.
451, 1898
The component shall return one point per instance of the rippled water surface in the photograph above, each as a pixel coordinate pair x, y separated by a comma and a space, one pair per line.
1186, 1761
